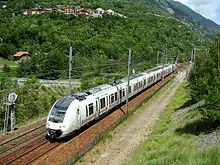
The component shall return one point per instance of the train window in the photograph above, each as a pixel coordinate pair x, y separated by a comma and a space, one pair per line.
96, 105
102, 103
129, 89
120, 94
134, 87
116, 96
144, 82
90, 108
112, 98
86, 111
123, 94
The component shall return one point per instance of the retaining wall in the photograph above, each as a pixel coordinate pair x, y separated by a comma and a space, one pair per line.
68, 152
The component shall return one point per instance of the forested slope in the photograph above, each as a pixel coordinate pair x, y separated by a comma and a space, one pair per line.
95, 40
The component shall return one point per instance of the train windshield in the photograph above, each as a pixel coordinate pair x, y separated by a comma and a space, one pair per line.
59, 110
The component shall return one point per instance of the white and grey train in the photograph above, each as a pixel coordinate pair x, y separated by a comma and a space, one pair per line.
71, 113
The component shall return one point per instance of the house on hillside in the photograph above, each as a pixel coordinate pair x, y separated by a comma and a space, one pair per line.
38, 11
99, 11
32, 11
110, 12
19, 56
69, 11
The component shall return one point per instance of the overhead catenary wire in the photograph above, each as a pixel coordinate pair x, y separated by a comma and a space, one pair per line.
108, 64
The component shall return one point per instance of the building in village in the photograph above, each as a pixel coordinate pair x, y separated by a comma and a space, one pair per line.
20, 56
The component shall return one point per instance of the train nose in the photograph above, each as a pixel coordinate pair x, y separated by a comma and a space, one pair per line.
54, 133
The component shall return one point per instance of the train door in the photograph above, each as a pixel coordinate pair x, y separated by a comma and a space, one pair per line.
107, 102
78, 118
102, 104
96, 106
120, 95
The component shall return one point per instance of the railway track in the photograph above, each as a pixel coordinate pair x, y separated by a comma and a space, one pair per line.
19, 140
25, 148
29, 153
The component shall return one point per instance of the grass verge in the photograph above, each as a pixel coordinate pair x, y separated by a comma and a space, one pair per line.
166, 145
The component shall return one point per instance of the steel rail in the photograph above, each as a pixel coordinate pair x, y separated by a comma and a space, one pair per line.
5, 142
25, 153
20, 143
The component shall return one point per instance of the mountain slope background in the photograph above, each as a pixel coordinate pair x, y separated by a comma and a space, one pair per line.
181, 11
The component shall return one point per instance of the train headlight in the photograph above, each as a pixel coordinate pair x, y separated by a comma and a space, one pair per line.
64, 126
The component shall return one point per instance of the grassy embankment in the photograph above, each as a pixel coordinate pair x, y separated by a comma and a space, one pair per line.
52, 93
11, 64
175, 138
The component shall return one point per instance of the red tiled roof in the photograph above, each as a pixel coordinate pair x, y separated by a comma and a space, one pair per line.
19, 54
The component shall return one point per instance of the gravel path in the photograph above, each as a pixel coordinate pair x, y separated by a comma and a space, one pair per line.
127, 138
209, 140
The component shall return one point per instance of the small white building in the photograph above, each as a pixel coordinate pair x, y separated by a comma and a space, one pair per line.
99, 11
110, 12
4, 6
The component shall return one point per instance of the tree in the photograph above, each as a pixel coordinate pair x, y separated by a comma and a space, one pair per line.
204, 81
6, 68
6, 50
52, 65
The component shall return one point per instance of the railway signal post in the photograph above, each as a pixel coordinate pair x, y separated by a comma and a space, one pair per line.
70, 69
12, 97
129, 63
163, 58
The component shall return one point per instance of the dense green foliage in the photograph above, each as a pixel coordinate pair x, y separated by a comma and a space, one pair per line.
174, 140
178, 10
190, 15
33, 100
95, 40
205, 81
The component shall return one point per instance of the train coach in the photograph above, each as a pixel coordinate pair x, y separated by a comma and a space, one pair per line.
70, 113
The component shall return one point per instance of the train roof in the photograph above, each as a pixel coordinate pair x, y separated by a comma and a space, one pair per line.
64, 102
98, 89
82, 95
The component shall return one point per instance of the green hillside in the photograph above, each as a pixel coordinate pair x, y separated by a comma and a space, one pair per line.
178, 10
96, 41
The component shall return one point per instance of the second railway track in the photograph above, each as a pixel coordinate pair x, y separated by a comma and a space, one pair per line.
25, 148
18, 141
29, 152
